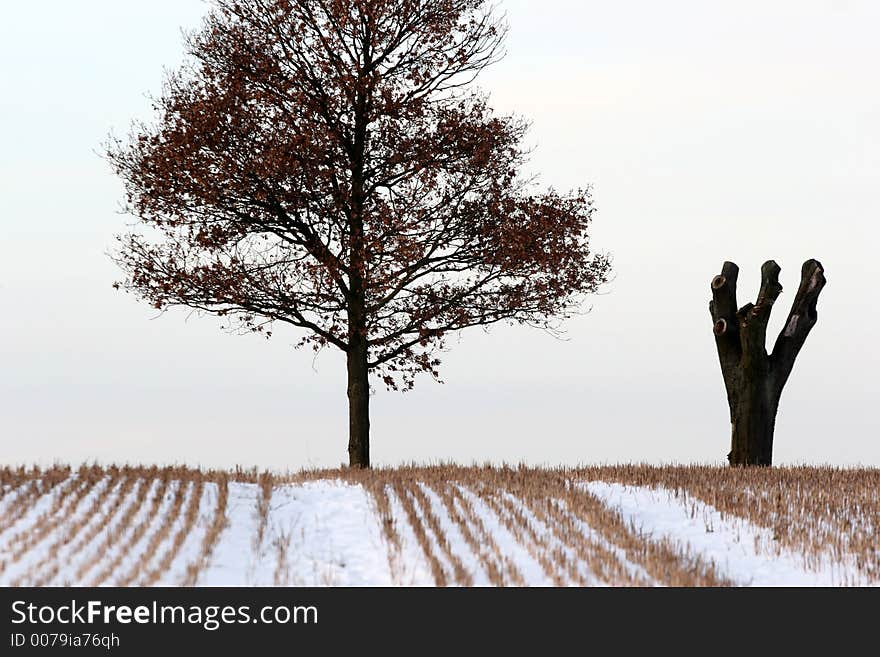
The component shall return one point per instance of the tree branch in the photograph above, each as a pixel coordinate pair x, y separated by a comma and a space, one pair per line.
800, 322
726, 325
752, 319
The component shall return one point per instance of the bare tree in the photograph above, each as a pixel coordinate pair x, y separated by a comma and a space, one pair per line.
754, 380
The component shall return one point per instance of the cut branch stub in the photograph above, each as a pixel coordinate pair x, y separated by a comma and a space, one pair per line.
744, 314
754, 380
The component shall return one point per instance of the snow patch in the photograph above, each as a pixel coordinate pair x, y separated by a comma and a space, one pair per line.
322, 533
744, 552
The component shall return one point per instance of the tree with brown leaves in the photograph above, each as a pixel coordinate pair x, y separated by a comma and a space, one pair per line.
754, 379
327, 164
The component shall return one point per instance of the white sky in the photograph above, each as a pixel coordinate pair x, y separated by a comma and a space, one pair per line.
711, 131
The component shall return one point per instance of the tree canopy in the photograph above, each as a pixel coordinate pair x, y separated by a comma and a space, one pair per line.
328, 164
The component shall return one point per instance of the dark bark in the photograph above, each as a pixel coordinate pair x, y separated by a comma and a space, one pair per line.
358, 350
358, 369
358, 379
358, 406
754, 380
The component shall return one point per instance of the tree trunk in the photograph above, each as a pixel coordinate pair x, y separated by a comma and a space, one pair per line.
753, 419
358, 347
358, 378
754, 380
358, 406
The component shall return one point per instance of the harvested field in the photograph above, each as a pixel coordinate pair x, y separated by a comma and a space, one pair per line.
440, 526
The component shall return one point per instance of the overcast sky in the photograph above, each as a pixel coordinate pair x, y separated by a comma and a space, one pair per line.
710, 131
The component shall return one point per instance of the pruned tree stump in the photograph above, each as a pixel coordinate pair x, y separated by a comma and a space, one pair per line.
754, 380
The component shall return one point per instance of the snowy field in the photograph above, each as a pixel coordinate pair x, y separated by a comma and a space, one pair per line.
467, 527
